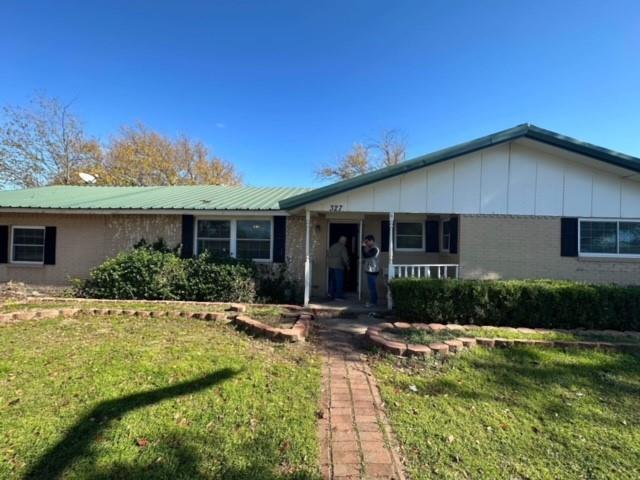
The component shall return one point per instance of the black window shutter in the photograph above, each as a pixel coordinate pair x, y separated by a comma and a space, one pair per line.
384, 236
50, 245
187, 236
453, 235
4, 243
279, 238
568, 237
432, 243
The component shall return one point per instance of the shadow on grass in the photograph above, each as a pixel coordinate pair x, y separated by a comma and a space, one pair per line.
518, 375
78, 439
181, 460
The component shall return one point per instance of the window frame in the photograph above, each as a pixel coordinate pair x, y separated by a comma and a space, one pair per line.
442, 245
617, 221
233, 240
12, 260
403, 249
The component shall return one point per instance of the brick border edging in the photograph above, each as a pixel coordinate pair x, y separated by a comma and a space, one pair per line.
157, 302
297, 333
376, 338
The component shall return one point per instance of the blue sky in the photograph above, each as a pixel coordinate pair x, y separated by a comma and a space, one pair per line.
281, 87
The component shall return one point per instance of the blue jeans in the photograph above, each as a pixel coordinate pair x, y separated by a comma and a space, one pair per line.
372, 280
336, 283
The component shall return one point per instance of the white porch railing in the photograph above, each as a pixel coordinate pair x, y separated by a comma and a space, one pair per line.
439, 271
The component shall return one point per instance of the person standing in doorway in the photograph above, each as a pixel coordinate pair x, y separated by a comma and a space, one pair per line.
338, 262
370, 253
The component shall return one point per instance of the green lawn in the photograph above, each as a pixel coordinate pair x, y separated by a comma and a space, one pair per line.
101, 397
425, 336
519, 413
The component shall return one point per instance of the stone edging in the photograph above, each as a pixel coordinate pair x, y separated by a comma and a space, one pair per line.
297, 333
81, 300
376, 338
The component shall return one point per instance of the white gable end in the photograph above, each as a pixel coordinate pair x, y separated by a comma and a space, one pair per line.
515, 178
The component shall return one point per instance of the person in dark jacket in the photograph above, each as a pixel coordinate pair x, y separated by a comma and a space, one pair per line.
338, 262
371, 267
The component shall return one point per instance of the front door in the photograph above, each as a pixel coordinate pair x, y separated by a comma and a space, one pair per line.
349, 230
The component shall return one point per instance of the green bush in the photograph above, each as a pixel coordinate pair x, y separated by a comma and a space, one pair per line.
275, 285
519, 303
142, 273
211, 279
151, 273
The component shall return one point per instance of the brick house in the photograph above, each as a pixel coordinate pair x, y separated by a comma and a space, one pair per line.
522, 203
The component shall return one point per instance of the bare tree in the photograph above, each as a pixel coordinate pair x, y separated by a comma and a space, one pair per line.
388, 150
43, 143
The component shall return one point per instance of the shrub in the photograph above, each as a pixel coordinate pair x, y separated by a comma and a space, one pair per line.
142, 273
211, 279
275, 285
153, 272
519, 303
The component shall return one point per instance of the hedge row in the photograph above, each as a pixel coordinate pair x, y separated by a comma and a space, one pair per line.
518, 303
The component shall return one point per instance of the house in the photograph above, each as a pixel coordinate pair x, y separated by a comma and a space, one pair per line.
521, 203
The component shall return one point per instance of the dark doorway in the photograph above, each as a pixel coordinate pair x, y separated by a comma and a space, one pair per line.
349, 230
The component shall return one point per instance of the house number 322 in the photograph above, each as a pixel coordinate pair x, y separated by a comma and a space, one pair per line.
335, 208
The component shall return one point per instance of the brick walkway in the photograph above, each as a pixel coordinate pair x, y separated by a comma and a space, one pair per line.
354, 432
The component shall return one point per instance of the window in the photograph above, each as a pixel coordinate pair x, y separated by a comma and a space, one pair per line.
214, 236
609, 238
245, 239
254, 239
27, 245
446, 235
410, 236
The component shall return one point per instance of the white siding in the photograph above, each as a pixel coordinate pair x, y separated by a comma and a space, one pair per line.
513, 179
467, 172
606, 196
549, 186
440, 188
523, 170
495, 180
413, 192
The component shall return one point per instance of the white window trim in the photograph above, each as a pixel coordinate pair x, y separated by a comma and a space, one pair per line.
395, 238
442, 222
29, 227
233, 238
605, 255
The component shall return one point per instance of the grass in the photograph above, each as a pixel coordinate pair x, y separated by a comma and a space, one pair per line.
114, 397
425, 337
519, 413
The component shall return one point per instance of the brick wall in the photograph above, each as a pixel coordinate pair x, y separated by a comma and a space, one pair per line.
529, 247
84, 241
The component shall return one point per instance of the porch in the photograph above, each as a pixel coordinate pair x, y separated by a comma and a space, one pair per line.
411, 245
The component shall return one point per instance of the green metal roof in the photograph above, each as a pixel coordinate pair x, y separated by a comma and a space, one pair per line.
200, 197
520, 131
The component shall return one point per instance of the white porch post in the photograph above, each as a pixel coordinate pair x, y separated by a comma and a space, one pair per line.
391, 269
360, 261
307, 258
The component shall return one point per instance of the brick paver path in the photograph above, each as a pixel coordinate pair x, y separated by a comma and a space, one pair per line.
355, 436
